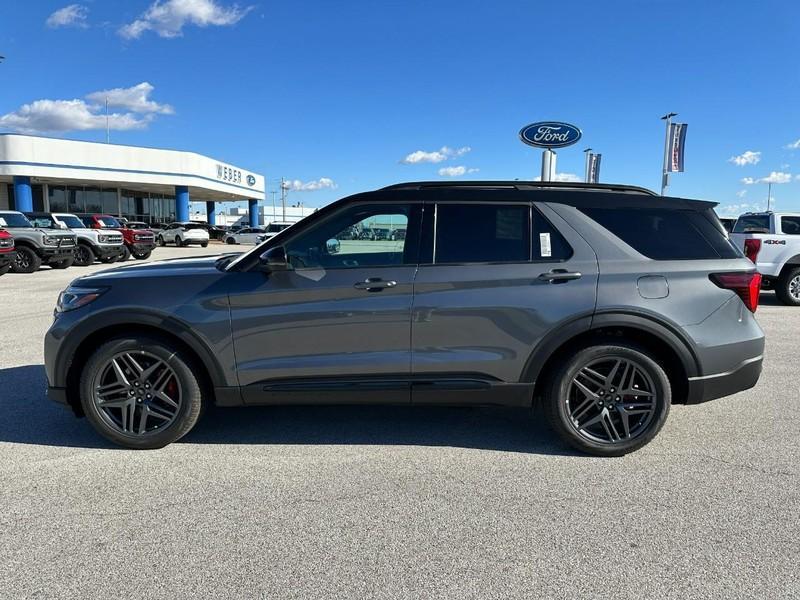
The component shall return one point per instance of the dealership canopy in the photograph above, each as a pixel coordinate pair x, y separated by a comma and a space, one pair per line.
150, 184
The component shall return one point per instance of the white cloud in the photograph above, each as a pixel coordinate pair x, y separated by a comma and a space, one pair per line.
436, 156
793, 146
734, 210
323, 183
73, 15
58, 116
168, 18
135, 98
773, 177
456, 171
741, 193
747, 158
567, 177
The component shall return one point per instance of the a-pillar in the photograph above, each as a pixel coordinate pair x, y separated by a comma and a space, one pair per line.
211, 216
252, 211
181, 203
23, 196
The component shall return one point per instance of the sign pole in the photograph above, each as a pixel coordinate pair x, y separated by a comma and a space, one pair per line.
586, 174
665, 164
547, 157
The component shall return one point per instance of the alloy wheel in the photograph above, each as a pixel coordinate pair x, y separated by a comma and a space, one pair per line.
794, 288
611, 400
22, 260
137, 393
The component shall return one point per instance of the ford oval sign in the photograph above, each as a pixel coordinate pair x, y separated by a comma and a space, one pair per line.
550, 134
251, 180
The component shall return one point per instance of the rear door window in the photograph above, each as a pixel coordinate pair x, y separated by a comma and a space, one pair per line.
665, 233
482, 233
790, 225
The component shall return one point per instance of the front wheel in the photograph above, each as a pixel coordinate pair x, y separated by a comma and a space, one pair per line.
160, 241
140, 392
62, 264
230, 240
26, 261
83, 255
144, 255
109, 259
608, 400
4, 270
124, 254
787, 288
204, 244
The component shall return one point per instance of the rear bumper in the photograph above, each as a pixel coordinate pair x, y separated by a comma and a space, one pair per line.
711, 387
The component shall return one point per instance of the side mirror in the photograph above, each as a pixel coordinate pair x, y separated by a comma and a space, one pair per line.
332, 246
62, 226
274, 259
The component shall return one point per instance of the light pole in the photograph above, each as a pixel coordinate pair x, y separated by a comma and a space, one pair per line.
284, 189
664, 173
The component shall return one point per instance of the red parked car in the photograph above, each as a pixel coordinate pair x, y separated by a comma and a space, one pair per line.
7, 251
138, 243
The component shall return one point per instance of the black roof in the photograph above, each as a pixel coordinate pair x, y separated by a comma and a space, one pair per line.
525, 185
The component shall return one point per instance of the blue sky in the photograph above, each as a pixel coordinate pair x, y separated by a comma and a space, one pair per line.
339, 93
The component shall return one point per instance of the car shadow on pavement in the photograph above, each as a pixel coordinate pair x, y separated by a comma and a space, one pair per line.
27, 416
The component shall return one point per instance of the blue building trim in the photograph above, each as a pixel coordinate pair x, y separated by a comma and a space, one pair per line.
252, 211
107, 170
211, 207
23, 195
182, 203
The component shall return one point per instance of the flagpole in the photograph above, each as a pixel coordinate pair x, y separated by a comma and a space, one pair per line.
665, 163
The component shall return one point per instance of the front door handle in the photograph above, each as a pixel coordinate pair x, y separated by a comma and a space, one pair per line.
559, 276
374, 284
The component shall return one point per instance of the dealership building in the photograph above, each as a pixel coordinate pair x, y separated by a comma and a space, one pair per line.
142, 184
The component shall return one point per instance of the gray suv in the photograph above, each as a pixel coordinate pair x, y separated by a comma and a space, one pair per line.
603, 304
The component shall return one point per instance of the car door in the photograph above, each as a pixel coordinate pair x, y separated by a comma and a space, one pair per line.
336, 325
499, 278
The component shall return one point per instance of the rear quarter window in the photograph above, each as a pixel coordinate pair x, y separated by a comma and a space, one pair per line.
665, 233
752, 224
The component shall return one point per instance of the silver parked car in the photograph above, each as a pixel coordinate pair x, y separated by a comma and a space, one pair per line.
604, 304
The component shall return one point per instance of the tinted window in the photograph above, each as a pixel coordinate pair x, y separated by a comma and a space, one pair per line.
14, 220
666, 234
548, 243
43, 222
752, 224
71, 222
790, 225
480, 233
194, 226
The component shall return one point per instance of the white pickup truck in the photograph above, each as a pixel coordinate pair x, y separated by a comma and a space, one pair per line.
772, 241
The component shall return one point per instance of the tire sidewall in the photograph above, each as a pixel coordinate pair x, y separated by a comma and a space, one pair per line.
34, 262
782, 287
82, 260
559, 388
191, 398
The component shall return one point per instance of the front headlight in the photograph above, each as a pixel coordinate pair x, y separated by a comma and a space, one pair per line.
103, 239
75, 297
50, 240
137, 237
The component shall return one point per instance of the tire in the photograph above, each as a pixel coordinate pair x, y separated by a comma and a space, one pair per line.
181, 243
27, 261
83, 256
180, 385
787, 287
204, 245
230, 241
160, 242
107, 260
142, 255
600, 415
4, 270
62, 264
124, 254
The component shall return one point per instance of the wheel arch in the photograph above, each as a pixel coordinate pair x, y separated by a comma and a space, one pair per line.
75, 357
672, 350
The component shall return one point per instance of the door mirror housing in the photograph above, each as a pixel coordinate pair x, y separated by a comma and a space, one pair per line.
332, 246
274, 259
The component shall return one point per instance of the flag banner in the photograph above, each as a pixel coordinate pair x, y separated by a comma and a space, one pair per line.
594, 168
677, 145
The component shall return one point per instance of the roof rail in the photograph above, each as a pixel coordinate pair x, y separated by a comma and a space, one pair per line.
525, 185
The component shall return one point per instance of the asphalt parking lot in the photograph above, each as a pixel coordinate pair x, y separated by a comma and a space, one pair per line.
393, 502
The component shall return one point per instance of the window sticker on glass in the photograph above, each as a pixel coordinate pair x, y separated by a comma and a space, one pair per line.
2, 222
545, 248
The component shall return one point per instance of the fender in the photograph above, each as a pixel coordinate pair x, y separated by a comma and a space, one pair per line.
133, 317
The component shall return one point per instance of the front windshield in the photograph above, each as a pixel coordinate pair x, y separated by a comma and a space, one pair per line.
108, 222
43, 222
276, 227
72, 222
14, 220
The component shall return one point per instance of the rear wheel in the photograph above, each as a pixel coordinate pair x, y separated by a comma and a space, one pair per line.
787, 287
140, 392
26, 261
204, 245
608, 400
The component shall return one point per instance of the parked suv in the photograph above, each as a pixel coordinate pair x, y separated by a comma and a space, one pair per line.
138, 243
92, 243
7, 251
36, 246
605, 304
184, 233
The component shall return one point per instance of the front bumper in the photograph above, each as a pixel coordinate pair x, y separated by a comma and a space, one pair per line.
6, 258
711, 387
139, 247
56, 254
107, 251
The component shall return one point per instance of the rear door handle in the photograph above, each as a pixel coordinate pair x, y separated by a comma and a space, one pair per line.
374, 284
559, 275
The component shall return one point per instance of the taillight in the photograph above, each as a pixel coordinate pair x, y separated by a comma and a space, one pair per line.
752, 246
746, 285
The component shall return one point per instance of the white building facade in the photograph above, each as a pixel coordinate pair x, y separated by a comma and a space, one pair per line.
143, 184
